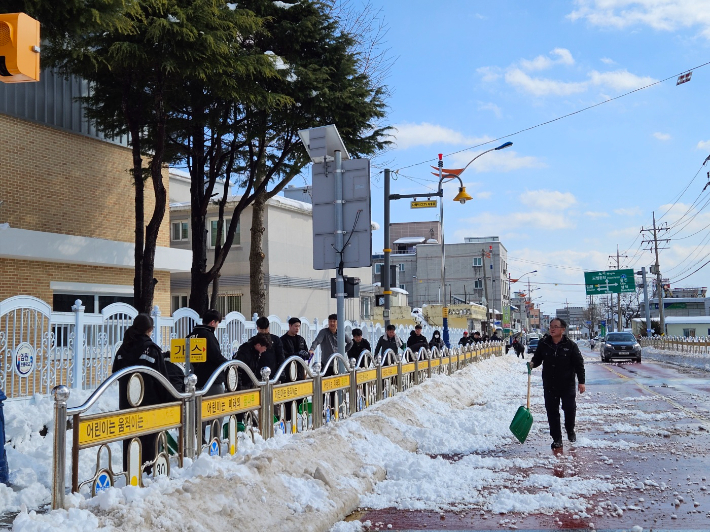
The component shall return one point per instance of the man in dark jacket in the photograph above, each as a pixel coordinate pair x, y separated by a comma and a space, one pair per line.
203, 370
295, 345
255, 354
465, 340
360, 344
417, 340
277, 349
389, 340
561, 361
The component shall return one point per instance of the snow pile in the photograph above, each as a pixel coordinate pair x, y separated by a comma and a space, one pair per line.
689, 360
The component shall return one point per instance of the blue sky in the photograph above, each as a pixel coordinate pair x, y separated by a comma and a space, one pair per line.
566, 193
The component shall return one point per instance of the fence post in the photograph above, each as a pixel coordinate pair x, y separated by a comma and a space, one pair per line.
190, 431
378, 370
78, 373
353, 387
317, 404
155, 313
267, 417
398, 359
428, 358
450, 372
416, 366
59, 460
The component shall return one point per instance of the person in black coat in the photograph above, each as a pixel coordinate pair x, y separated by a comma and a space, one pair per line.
518, 348
277, 349
417, 340
561, 362
295, 345
436, 341
360, 344
138, 349
465, 340
203, 370
389, 340
255, 354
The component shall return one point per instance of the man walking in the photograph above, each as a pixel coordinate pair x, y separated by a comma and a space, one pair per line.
295, 345
360, 344
327, 339
417, 340
276, 351
561, 362
389, 340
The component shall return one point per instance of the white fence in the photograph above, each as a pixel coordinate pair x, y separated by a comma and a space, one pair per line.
41, 349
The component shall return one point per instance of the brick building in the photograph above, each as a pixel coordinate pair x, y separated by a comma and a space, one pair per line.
66, 203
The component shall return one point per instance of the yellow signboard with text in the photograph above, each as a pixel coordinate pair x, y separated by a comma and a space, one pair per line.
102, 428
287, 392
198, 350
224, 405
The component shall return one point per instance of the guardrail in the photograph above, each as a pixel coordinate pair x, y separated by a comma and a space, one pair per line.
266, 407
698, 344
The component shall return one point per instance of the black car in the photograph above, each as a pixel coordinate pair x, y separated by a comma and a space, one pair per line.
532, 344
620, 345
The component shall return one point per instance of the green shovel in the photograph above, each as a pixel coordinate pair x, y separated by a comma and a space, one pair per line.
523, 420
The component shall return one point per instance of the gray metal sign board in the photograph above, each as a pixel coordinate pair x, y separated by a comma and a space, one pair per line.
356, 215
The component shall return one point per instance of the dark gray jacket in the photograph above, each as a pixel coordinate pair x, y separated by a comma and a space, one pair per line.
328, 343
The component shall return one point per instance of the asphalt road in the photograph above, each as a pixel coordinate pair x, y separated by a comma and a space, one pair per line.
668, 472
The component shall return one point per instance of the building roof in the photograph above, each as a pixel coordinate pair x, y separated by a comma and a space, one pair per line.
410, 240
276, 201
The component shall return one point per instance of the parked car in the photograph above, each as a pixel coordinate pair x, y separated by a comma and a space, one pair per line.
620, 345
532, 344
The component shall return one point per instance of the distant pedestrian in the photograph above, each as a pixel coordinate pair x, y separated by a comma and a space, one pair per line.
360, 344
476, 338
518, 348
561, 362
254, 353
138, 349
465, 339
277, 348
417, 340
327, 339
389, 340
495, 337
436, 341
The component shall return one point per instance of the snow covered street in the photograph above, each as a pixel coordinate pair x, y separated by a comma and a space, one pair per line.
439, 456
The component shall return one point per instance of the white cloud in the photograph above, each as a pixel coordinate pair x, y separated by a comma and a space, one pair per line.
542, 62
425, 134
704, 145
489, 74
620, 80
663, 15
592, 214
513, 223
490, 106
607, 61
632, 211
497, 161
662, 136
548, 199
484, 195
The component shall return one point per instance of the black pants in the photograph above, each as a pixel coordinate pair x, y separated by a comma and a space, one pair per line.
553, 398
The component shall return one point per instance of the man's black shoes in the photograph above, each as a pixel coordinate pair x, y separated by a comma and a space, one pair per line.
556, 444
571, 436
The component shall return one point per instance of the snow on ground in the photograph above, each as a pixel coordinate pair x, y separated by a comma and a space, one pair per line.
428, 448
689, 360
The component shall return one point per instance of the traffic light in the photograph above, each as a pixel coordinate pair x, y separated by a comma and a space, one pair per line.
19, 48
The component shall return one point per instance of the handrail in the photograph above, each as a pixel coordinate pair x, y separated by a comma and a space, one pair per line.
330, 361
364, 353
292, 358
114, 377
217, 373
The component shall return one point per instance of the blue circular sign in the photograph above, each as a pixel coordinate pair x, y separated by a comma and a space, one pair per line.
102, 482
24, 359
214, 448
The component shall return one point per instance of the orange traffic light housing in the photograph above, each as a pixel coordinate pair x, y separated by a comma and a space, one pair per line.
19, 48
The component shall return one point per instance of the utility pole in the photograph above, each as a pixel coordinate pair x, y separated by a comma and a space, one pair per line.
656, 268
618, 296
386, 289
649, 329
485, 289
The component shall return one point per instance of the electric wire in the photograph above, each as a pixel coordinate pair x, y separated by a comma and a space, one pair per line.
578, 111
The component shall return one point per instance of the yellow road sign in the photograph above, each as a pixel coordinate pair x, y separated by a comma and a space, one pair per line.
286, 392
423, 204
224, 405
335, 383
198, 350
103, 428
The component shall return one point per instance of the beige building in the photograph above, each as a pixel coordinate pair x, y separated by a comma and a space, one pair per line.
293, 287
66, 204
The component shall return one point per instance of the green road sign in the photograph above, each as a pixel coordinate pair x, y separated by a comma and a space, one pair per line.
609, 282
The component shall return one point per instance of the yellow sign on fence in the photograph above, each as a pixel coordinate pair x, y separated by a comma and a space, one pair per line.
366, 376
389, 371
234, 403
335, 383
198, 350
286, 392
408, 368
118, 426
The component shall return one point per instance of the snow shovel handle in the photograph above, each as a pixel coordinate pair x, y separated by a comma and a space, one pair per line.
529, 378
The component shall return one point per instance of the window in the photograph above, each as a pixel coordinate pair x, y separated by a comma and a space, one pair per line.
402, 287
213, 232
478, 261
180, 231
401, 267
378, 267
478, 283
229, 303
689, 333
178, 302
365, 308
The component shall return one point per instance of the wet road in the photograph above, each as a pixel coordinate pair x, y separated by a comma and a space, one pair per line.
661, 411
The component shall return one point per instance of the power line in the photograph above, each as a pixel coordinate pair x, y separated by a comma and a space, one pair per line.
559, 117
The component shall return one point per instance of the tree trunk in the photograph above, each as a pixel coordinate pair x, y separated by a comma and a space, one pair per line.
139, 183
215, 291
256, 257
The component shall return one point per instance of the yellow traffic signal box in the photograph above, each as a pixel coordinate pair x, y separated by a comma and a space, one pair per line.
19, 48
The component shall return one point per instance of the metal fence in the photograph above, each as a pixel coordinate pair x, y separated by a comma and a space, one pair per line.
41, 349
267, 406
697, 344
